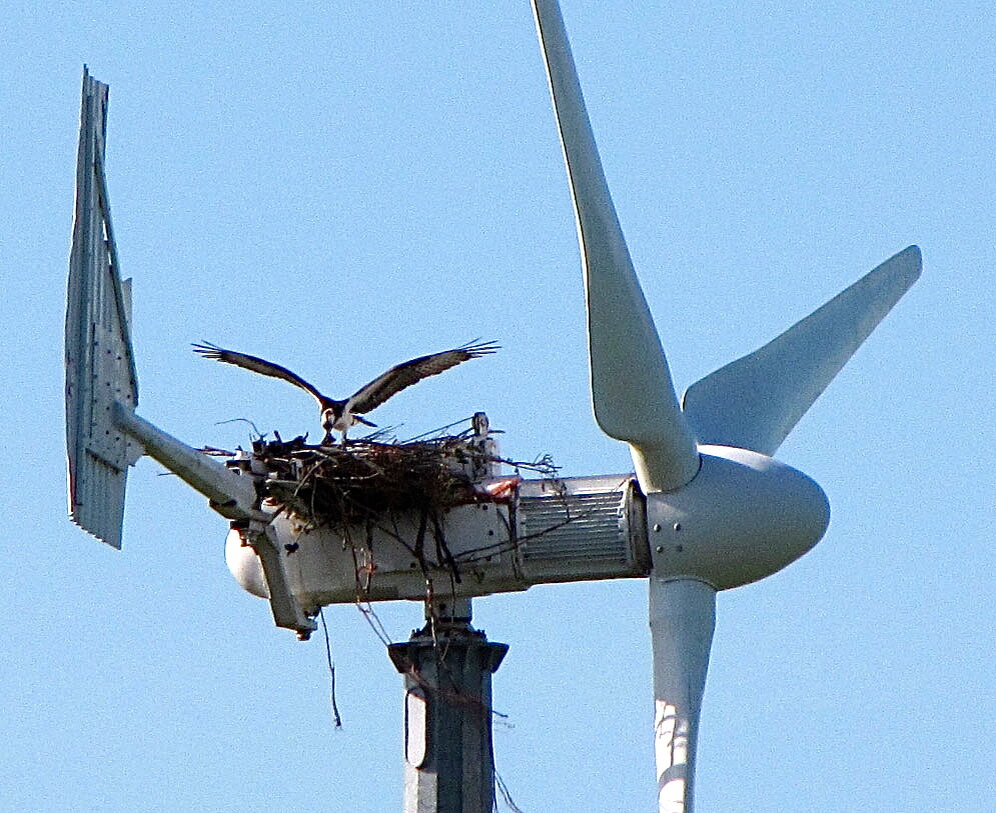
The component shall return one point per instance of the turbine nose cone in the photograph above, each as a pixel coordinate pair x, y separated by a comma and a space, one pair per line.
744, 517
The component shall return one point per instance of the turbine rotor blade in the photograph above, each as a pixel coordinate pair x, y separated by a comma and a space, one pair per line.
682, 619
754, 402
631, 388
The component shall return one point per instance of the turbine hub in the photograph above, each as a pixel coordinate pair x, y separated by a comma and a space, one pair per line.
743, 517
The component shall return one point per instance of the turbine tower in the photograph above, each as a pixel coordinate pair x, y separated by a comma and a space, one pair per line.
720, 511
708, 508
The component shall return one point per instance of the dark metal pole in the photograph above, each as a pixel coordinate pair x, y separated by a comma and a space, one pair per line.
449, 761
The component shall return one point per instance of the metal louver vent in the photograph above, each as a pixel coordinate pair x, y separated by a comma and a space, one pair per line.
590, 524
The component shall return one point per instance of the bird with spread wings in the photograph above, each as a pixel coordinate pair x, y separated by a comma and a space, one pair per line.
340, 415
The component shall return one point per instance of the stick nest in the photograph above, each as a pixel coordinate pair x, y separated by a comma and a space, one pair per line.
345, 485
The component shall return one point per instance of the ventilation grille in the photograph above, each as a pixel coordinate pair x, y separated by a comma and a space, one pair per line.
562, 536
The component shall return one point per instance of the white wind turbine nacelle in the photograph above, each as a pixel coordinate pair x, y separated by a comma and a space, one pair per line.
720, 511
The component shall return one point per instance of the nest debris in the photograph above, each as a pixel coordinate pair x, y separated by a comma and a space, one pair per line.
365, 480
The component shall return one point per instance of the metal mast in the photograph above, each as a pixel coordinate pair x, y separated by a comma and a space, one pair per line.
449, 756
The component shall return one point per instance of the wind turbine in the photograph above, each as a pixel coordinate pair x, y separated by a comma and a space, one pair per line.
720, 511
709, 509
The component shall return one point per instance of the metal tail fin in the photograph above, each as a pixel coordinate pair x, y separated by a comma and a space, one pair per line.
100, 367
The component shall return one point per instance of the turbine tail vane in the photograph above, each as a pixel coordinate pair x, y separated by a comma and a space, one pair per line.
756, 401
632, 392
100, 367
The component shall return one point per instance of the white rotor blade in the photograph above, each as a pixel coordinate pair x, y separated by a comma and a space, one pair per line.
682, 618
754, 402
631, 389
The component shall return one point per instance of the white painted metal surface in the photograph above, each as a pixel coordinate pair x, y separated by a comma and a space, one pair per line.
743, 517
682, 618
631, 389
718, 516
231, 495
756, 401
244, 565
100, 370
575, 529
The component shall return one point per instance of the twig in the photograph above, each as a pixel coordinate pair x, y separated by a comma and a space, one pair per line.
336, 717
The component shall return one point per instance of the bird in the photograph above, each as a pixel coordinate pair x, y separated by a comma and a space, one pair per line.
340, 415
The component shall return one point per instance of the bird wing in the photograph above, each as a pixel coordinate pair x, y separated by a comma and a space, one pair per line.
257, 365
404, 375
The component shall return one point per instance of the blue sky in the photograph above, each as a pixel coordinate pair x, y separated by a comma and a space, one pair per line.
341, 186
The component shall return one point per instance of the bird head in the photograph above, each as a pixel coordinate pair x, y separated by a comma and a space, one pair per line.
328, 419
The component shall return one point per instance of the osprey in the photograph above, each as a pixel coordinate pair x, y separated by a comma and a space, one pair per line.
342, 414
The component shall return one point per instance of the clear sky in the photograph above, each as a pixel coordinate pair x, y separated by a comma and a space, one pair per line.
341, 186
